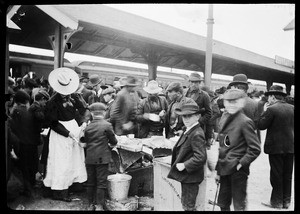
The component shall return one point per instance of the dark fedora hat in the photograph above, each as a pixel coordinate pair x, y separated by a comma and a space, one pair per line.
130, 81
239, 79
275, 89
186, 109
234, 94
195, 77
94, 80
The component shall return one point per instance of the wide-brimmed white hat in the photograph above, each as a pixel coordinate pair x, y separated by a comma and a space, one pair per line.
152, 87
64, 80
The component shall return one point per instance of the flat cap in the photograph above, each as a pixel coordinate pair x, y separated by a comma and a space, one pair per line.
108, 90
186, 109
233, 94
97, 107
175, 86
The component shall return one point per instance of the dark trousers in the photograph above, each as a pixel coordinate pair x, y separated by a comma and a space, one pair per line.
233, 187
281, 178
189, 192
29, 165
96, 182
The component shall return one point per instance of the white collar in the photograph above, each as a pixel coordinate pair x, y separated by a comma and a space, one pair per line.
189, 128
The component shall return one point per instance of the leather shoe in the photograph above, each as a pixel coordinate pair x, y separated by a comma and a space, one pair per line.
286, 205
271, 206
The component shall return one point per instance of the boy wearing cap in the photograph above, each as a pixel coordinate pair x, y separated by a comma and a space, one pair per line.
239, 147
98, 135
278, 119
189, 156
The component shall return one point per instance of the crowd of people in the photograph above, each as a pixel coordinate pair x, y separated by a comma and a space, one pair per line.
80, 117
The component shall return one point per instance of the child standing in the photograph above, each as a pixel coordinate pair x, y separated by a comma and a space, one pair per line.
97, 136
189, 156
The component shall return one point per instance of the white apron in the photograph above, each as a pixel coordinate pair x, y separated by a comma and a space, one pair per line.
66, 160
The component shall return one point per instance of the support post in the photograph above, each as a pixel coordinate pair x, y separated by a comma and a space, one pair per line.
269, 84
288, 88
208, 54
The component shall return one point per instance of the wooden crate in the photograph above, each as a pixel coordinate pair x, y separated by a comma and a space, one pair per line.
167, 192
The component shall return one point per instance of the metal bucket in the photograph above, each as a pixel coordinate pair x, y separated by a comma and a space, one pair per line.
118, 186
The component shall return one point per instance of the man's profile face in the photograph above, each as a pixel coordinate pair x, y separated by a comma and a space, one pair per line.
194, 85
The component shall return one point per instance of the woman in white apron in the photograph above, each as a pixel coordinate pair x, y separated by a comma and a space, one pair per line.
66, 160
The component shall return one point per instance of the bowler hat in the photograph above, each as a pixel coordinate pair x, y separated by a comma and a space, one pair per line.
233, 94
195, 77
175, 86
21, 96
186, 109
97, 107
239, 79
275, 89
64, 80
94, 80
152, 87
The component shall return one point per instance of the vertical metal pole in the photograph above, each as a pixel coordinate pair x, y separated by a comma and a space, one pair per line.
58, 48
208, 54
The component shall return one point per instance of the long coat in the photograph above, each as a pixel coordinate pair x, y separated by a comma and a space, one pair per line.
97, 135
237, 131
190, 149
278, 119
123, 110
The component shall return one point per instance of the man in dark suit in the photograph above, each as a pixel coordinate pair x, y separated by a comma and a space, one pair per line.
202, 99
278, 119
189, 156
239, 147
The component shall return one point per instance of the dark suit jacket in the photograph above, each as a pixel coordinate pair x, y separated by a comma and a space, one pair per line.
278, 119
203, 101
97, 135
244, 145
190, 149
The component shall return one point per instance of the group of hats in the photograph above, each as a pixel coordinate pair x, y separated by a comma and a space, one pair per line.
242, 79
66, 81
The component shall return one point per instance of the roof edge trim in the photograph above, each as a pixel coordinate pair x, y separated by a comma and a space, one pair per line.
60, 17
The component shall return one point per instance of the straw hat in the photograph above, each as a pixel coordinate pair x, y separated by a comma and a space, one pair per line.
152, 87
190, 108
275, 89
64, 80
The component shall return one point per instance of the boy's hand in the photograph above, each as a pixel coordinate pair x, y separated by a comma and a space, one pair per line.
217, 179
180, 166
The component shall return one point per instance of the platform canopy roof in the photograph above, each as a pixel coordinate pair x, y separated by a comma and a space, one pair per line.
107, 32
